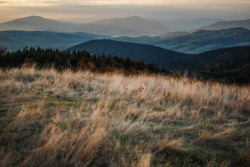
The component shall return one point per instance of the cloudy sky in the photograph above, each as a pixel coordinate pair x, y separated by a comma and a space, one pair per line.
90, 10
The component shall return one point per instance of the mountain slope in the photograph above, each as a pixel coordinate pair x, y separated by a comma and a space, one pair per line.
228, 24
199, 41
37, 23
14, 40
147, 53
227, 65
132, 26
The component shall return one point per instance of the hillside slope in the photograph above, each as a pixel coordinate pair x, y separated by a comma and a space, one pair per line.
227, 65
147, 53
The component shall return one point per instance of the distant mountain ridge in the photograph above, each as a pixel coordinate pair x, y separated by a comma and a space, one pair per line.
226, 25
37, 23
128, 26
190, 24
147, 53
14, 40
125, 26
132, 26
206, 40
194, 43
197, 42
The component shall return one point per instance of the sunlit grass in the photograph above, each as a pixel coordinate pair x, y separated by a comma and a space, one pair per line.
87, 119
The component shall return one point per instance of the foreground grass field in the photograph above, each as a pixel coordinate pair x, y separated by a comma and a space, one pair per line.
86, 119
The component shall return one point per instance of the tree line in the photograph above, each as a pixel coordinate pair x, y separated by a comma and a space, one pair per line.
79, 60
233, 69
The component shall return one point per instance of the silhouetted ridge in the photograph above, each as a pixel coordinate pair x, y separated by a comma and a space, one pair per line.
147, 53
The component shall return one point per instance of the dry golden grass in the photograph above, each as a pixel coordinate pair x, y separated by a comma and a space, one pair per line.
144, 160
87, 119
170, 145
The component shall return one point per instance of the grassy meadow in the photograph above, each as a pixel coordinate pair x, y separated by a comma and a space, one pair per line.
70, 118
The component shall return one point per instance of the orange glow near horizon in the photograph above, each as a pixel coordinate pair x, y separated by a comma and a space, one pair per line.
11, 9
118, 2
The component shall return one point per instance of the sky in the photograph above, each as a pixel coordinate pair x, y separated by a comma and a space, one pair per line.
92, 10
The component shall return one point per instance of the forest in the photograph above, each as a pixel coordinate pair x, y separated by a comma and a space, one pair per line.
80, 60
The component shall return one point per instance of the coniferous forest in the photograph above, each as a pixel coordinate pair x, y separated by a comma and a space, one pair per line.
75, 60
229, 65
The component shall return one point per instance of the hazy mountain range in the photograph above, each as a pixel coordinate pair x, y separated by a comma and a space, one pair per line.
227, 24
131, 26
128, 26
196, 42
14, 40
190, 24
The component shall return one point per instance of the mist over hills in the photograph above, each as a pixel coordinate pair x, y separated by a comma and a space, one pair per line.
14, 40
227, 24
205, 40
128, 26
190, 24
197, 42
147, 53
131, 26
194, 43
